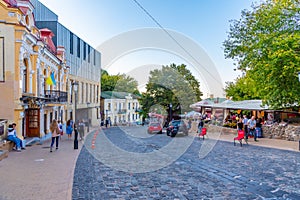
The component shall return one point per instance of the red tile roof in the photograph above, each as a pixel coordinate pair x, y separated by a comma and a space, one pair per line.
46, 36
12, 3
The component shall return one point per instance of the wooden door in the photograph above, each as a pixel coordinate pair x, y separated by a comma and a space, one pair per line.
33, 122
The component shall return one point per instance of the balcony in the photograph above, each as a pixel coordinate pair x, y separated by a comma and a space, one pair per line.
55, 96
122, 111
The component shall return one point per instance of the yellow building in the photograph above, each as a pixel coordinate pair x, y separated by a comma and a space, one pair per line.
33, 74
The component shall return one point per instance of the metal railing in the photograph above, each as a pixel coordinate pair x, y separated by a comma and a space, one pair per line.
55, 96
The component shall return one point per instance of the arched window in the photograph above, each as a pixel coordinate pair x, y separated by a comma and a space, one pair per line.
44, 82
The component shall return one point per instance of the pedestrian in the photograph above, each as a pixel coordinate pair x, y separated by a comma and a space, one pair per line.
22, 141
259, 127
106, 123
245, 124
240, 125
200, 126
54, 128
252, 124
61, 128
11, 137
81, 126
189, 124
69, 129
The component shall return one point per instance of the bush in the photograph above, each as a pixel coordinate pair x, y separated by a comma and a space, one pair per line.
230, 125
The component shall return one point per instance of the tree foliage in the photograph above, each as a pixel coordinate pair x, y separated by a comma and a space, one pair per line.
264, 44
243, 88
118, 83
174, 85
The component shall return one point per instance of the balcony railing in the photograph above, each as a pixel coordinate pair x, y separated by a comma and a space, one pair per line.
122, 111
55, 96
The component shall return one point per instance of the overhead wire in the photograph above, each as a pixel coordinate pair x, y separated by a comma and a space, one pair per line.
184, 49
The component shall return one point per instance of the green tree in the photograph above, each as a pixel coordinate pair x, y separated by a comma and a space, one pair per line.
265, 45
118, 83
174, 85
243, 88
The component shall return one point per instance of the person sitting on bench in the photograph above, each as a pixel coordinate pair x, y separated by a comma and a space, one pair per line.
12, 137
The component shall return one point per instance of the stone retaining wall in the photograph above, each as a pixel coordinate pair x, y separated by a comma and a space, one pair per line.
281, 131
275, 131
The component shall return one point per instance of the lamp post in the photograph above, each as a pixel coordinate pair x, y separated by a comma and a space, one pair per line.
106, 118
87, 116
170, 110
75, 88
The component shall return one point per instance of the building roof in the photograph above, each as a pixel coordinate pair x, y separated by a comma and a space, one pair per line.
203, 103
243, 105
229, 104
117, 95
46, 35
12, 3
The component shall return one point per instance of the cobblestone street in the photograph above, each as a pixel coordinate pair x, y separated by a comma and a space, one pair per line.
227, 172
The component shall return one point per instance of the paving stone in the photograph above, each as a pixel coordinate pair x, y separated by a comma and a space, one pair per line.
226, 172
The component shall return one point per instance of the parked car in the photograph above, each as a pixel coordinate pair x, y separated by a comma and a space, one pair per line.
154, 127
177, 127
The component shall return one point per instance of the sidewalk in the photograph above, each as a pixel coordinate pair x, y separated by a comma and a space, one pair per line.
35, 173
263, 142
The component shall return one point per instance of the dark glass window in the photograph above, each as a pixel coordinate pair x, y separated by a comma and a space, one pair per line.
84, 51
94, 57
78, 47
89, 52
71, 43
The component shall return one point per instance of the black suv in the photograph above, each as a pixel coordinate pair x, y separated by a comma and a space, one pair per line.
177, 127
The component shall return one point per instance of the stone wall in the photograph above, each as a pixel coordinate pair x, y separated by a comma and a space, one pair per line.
282, 131
275, 131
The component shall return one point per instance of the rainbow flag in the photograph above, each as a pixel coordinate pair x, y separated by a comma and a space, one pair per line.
51, 80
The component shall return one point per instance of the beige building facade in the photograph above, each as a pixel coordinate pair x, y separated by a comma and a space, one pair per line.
28, 58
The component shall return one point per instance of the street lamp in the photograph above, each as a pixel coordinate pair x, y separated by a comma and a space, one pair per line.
75, 88
87, 116
170, 110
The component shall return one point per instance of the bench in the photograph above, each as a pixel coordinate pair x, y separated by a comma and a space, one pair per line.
3, 154
9, 145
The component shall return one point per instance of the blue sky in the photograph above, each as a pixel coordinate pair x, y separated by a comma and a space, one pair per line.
204, 21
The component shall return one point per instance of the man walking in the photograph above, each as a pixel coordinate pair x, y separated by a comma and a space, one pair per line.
252, 124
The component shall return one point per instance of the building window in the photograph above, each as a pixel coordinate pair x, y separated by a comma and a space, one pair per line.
128, 106
78, 47
24, 74
71, 43
89, 53
109, 106
97, 94
84, 51
2, 69
91, 93
94, 57
86, 92
82, 94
